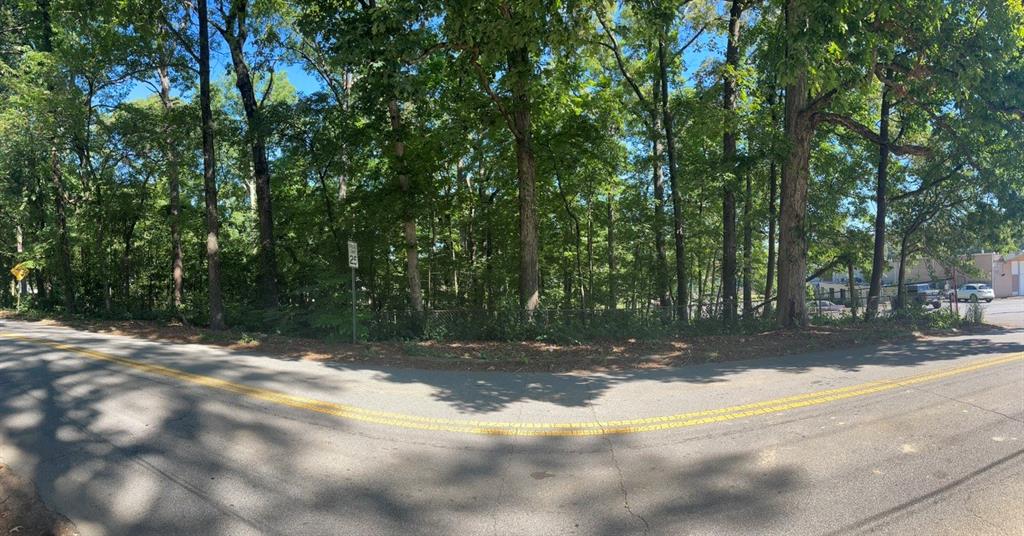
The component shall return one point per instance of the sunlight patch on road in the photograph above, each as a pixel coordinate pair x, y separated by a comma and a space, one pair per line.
512, 428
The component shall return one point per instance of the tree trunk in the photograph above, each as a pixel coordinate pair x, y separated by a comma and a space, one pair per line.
63, 240
590, 252
174, 190
57, 181
19, 237
126, 263
852, 289
901, 291
661, 283
408, 220
346, 83
772, 220
521, 68
613, 283
878, 256
209, 174
748, 245
678, 231
732, 56
235, 35
799, 131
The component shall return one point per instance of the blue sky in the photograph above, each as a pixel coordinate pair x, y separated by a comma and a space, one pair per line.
709, 44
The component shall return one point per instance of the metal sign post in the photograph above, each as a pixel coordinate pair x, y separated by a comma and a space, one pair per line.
353, 263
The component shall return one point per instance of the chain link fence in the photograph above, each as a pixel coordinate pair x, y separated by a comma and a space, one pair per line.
824, 304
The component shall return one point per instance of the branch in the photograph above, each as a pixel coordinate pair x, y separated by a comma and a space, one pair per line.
486, 83
180, 37
832, 264
321, 69
692, 39
925, 187
614, 47
820, 101
270, 87
863, 131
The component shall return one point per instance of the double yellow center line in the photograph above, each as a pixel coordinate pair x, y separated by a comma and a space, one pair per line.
507, 428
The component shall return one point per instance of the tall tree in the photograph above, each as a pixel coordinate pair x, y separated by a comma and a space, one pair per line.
799, 130
174, 191
235, 30
731, 70
209, 174
773, 195
678, 230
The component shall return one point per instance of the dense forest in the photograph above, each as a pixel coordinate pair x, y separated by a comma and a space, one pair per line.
209, 161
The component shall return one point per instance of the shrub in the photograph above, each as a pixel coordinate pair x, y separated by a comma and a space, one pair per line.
975, 314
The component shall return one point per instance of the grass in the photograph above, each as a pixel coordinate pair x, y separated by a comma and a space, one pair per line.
702, 343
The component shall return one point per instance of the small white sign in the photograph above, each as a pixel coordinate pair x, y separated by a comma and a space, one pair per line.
353, 255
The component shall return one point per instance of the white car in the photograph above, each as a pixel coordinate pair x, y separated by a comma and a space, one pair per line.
974, 292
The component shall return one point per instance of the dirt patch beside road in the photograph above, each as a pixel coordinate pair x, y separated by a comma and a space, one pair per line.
524, 356
22, 511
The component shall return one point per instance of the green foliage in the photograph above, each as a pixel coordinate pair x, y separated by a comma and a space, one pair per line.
975, 314
80, 129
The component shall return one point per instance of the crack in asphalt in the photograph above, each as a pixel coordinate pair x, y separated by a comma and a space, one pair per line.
503, 482
966, 403
622, 480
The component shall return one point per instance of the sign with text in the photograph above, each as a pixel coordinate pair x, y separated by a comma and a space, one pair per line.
353, 255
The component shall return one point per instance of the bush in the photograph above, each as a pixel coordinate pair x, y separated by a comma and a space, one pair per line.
943, 319
975, 314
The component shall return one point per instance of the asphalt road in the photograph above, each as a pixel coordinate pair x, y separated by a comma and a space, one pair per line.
1008, 312
132, 437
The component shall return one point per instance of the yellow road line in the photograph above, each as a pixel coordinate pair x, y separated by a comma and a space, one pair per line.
510, 428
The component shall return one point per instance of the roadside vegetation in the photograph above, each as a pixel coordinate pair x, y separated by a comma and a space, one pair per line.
555, 173
556, 351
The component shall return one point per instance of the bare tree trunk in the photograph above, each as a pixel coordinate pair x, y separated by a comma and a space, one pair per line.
521, 68
408, 220
209, 174
678, 231
174, 191
235, 34
729, 160
878, 255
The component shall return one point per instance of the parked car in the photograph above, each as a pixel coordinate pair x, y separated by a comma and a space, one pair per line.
923, 294
973, 292
826, 306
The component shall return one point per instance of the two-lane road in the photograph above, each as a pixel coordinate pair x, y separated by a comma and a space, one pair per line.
132, 437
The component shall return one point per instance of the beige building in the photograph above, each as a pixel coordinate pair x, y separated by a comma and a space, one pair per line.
1008, 275
1004, 273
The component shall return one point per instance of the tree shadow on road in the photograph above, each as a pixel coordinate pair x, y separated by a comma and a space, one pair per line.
128, 455
486, 392
135, 454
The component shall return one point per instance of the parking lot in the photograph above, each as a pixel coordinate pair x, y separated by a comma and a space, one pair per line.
1006, 312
